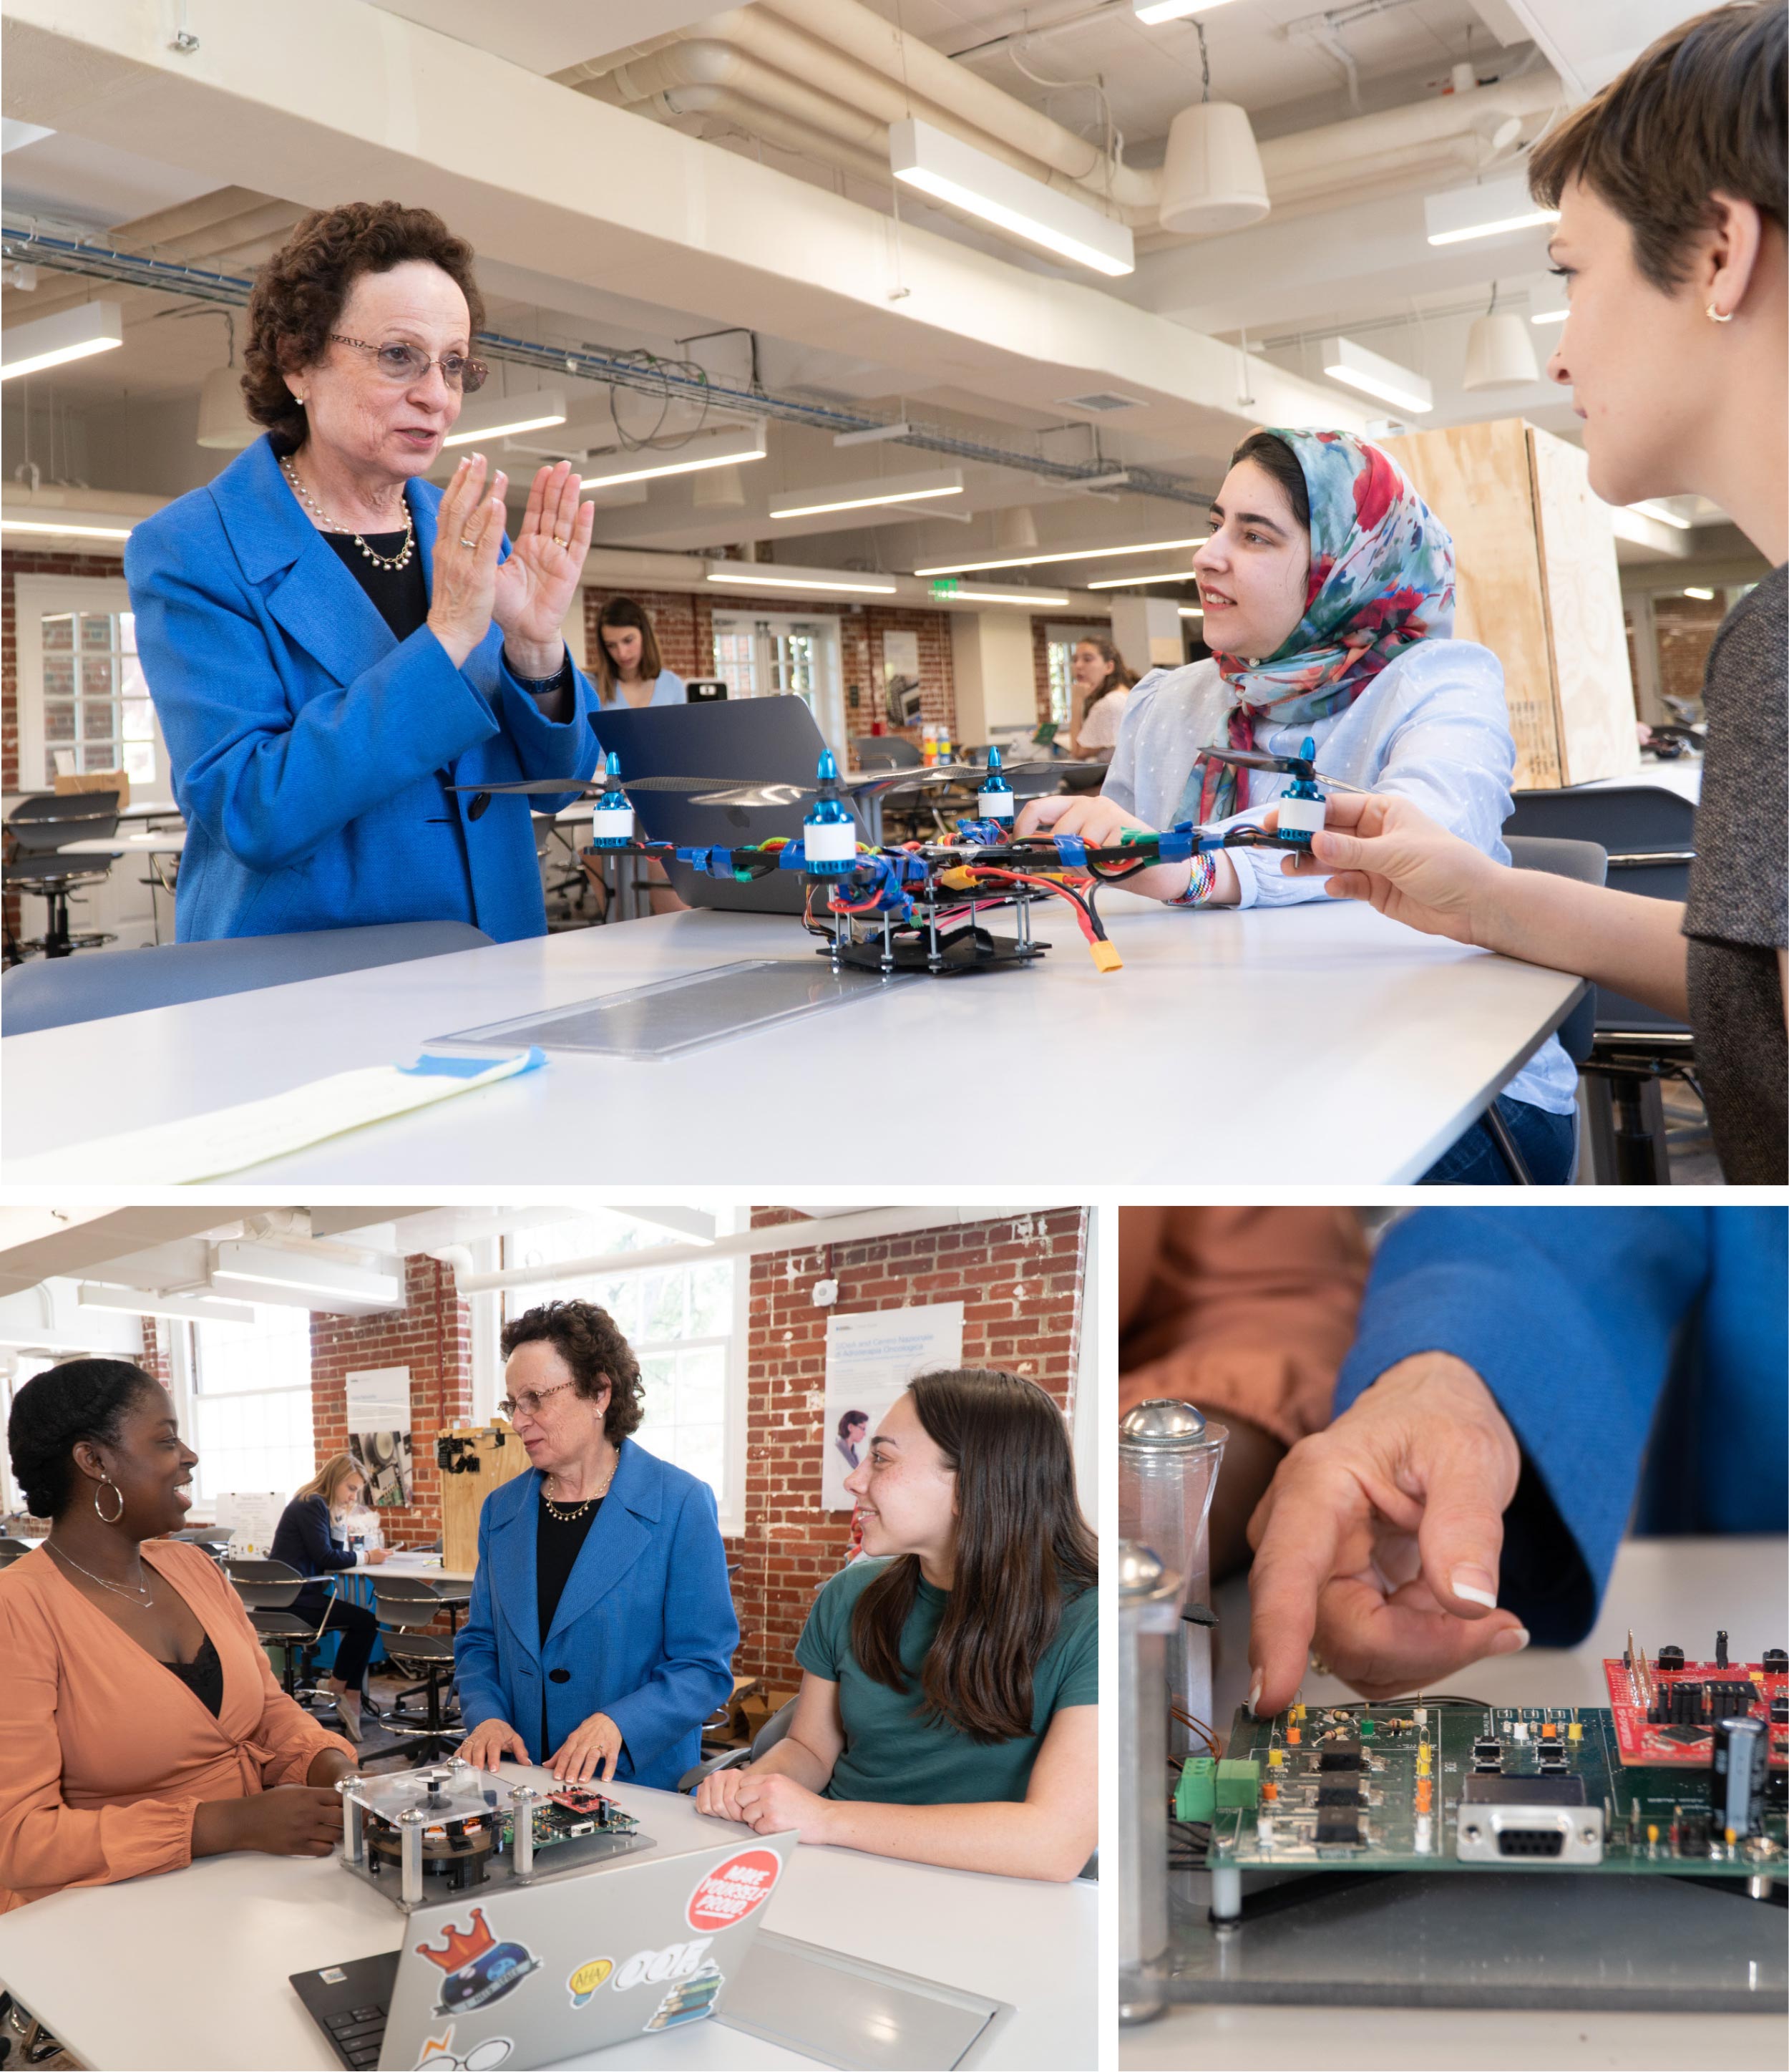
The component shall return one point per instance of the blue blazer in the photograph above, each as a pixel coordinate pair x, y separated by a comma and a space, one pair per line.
308, 743
645, 1630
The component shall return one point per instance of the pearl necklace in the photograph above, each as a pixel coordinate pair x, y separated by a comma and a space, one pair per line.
141, 1596
392, 563
566, 1512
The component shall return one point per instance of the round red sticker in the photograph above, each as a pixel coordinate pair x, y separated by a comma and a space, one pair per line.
732, 1890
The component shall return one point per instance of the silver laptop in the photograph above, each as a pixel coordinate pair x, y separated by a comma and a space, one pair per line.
529, 1974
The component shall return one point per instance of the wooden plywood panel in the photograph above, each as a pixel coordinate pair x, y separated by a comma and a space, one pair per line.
1592, 680
1477, 480
490, 1457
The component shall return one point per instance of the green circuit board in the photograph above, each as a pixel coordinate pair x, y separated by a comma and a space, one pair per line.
1449, 1785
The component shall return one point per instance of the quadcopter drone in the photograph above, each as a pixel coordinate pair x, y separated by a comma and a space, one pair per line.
920, 907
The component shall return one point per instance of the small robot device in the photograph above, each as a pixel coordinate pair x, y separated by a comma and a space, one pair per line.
422, 1835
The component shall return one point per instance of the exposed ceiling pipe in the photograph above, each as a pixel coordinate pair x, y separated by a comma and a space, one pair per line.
700, 104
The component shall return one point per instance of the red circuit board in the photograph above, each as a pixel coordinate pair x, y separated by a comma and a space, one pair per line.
1664, 1747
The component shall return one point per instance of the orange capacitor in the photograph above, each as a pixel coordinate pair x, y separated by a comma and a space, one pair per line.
1549, 1731
1270, 1791
1293, 1737
1424, 1794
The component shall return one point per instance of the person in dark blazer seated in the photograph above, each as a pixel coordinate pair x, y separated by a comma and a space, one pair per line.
600, 1632
332, 643
310, 1538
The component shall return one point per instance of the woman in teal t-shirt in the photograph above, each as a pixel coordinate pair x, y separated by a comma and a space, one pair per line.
949, 1706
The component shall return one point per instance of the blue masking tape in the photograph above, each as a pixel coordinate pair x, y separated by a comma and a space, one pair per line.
430, 1066
1072, 851
1175, 845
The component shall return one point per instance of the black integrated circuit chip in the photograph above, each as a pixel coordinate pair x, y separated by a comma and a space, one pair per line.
1343, 1755
1340, 1795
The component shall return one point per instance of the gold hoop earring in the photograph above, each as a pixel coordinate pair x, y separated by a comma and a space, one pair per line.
1715, 317
118, 1492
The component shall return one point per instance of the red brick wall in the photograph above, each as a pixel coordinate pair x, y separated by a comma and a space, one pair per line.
684, 625
432, 1336
154, 1358
790, 1545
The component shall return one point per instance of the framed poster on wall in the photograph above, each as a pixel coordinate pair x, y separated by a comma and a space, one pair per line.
870, 1357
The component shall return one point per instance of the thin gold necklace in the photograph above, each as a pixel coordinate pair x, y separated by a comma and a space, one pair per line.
566, 1512
141, 1596
392, 563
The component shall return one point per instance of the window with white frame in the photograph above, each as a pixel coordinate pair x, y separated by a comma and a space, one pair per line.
251, 1403
771, 654
84, 702
685, 1324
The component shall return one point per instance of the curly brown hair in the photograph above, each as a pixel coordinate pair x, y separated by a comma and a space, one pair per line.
589, 1342
299, 293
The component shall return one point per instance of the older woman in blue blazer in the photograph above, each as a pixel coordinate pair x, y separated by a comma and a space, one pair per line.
600, 1632
332, 643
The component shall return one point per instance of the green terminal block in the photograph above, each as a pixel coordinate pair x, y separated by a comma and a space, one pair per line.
1238, 1783
1195, 1796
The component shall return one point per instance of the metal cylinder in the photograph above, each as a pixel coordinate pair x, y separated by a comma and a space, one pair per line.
1149, 1598
522, 1800
1168, 1459
354, 1826
411, 1822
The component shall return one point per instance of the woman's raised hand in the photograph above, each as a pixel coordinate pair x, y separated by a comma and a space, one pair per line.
535, 586
1378, 847
469, 532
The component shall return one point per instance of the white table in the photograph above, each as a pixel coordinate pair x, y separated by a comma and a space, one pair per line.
1682, 775
167, 841
194, 1965
1312, 1043
1667, 1591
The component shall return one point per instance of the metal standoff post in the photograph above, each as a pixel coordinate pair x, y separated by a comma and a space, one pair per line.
354, 1827
524, 1799
1149, 1596
411, 1822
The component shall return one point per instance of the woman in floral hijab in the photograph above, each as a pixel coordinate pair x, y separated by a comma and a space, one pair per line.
1327, 591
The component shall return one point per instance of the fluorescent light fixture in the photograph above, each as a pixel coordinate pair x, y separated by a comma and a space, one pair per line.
1193, 611
1150, 12
1067, 554
502, 417
75, 333
64, 531
1007, 596
859, 496
1491, 210
269, 1273
1118, 582
1705, 595
1663, 512
724, 450
1356, 367
146, 1302
950, 171
1548, 316
751, 575
899, 430
1116, 479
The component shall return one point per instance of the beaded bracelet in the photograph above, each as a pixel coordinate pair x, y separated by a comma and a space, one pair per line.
1200, 885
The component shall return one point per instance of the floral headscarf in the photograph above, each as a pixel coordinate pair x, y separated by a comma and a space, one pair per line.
1381, 579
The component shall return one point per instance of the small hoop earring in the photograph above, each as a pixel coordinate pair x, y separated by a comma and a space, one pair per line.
1715, 317
118, 1492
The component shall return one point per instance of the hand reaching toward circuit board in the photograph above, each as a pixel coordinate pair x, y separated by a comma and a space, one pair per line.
1378, 1540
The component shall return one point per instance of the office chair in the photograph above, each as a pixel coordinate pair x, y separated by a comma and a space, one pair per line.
1649, 834
406, 1608
267, 1589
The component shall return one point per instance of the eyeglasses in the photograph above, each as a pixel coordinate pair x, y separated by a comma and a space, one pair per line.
528, 1402
410, 363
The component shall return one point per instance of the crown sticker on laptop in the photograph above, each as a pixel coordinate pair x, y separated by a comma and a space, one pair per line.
479, 1968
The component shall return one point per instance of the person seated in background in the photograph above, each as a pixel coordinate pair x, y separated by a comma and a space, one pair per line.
140, 1724
311, 1538
1328, 585
1103, 683
600, 1632
1246, 1314
949, 1706
1522, 1385
629, 671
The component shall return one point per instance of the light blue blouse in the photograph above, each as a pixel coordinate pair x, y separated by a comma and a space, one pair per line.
668, 690
1432, 726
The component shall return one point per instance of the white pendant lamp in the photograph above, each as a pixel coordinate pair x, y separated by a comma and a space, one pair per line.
1499, 353
223, 424
1015, 529
1212, 180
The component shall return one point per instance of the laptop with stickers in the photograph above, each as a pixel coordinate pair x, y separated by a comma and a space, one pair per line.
533, 1974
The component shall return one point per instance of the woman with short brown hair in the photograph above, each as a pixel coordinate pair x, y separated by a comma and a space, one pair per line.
340, 654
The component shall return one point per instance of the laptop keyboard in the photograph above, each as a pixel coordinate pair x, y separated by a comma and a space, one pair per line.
357, 2034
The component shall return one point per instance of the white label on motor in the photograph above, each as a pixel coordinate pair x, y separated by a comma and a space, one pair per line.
1296, 815
829, 841
994, 805
613, 823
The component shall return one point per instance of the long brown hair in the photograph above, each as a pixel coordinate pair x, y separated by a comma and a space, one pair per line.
1023, 1550
624, 611
329, 1478
1120, 677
